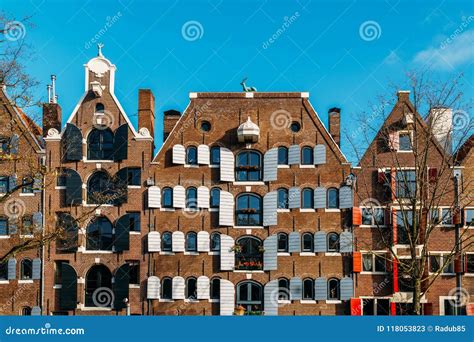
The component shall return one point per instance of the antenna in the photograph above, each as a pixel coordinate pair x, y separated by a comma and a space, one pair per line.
49, 93
53, 86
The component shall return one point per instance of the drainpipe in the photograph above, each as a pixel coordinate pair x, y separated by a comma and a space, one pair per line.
458, 248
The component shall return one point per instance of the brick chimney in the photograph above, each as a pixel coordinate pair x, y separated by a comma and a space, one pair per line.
51, 117
170, 119
146, 110
335, 124
403, 95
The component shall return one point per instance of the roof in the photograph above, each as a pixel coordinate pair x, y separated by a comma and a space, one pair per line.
34, 128
464, 150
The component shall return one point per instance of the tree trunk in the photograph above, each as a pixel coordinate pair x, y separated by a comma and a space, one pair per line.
416, 309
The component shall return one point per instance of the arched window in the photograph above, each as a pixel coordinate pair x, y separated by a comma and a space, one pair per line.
333, 288
26, 311
249, 253
99, 287
167, 198
333, 198
307, 156
307, 198
307, 242
282, 198
191, 198
191, 242
249, 210
100, 144
191, 155
283, 289
99, 108
215, 155
215, 288
215, 197
282, 242
26, 269
333, 242
99, 235
167, 242
308, 289
248, 166
215, 242
250, 296
191, 288
167, 288
100, 189
282, 155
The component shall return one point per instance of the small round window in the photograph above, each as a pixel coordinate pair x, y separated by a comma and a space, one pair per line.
205, 126
295, 127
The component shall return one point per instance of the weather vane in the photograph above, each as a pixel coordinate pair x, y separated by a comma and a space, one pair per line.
100, 46
245, 88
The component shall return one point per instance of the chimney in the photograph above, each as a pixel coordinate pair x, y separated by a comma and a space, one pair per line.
170, 119
403, 95
440, 119
146, 110
54, 98
51, 117
335, 124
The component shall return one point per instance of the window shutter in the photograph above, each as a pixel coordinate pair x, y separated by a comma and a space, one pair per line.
179, 154
357, 262
393, 141
121, 143
121, 186
320, 198
72, 143
321, 288
154, 197
203, 197
319, 154
68, 291
36, 274
270, 165
346, 288
203, 241
227, 165
12, 225
294, 198
270, 297
203, 154
12, 183
71, 230
226, 209
14, 144
38, 183
36, 311
356, 216
73, 194
178, 288
153, 287
178, 241
345, 242
227, 253
345, 197
296, 288
270, 260
154, 242
122, 233
120, 286
320, 245
227, 300
11, 269
356, 306
294, 155
270, 217
294, 243
203, 287
179, 200
38, 221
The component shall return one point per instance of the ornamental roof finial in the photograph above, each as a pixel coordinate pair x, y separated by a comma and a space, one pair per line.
99, 47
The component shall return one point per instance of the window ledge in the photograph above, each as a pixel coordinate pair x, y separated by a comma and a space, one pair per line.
192, 210
373, 273
25, 281
307, 301
245, 271
4, 282
134, 186
167, 209
96, 252
166, 300
191, 253
283, 210
334, 210
283, 254
88, 308
214, 253
333, 301
214, 166
280, 301
191, 300
249, 183
133, 286
249, 227
26, 194
135, 233
332, 254
90, 205
27, 236
469, 274
444, 274
167, 253
4, 236
62, 187
214, 300
58, 286
302, 166
307, 254
283, 166
191, 165
307, 210
97, 161
372, 226
213, 210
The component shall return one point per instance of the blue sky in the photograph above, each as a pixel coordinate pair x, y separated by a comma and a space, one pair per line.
345, 53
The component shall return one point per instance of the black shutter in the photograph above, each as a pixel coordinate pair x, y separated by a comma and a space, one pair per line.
73, 187
121, 143
70, 241
121, 183
68, 291
122, 233
121, 282
72, 143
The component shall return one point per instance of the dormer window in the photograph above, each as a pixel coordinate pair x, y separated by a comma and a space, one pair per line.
405, 141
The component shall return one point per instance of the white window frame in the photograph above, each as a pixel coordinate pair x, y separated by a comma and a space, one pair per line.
464, 222
363, 298
465, 261
374, 254
440, 217
405, 132
441, 254
441, 303
373, 225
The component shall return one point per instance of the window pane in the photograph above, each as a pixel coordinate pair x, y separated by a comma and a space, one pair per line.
134, 176
3, 226
167, 198
282, 199
215, 197
434, 263
134, 221
379, 216
470, 263
215, 156
307, 242
333, 199
307, 156
333, 289
308, 199
405, 142
282, 156
282, 242
167, 242
191, 242
367, 262
380, 263
308, 289
215, 242
3, 185
446, 216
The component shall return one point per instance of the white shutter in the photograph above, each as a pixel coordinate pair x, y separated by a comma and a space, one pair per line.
226, 209
321, 289
345, 242
345, 197
271, 298
227, 300
178, 241
36, 274
227, 253
294, 244
270, 209
179, 197
203, 241
203, 287
319, 154
154, 197
270, 165
294, 155
203, 154
346, 287
11, 269
203, 197
270, 261
320, 242
154, 242
296, 288
179, 154
294, 198
320, 197
178, 288
227, 165
153, 288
